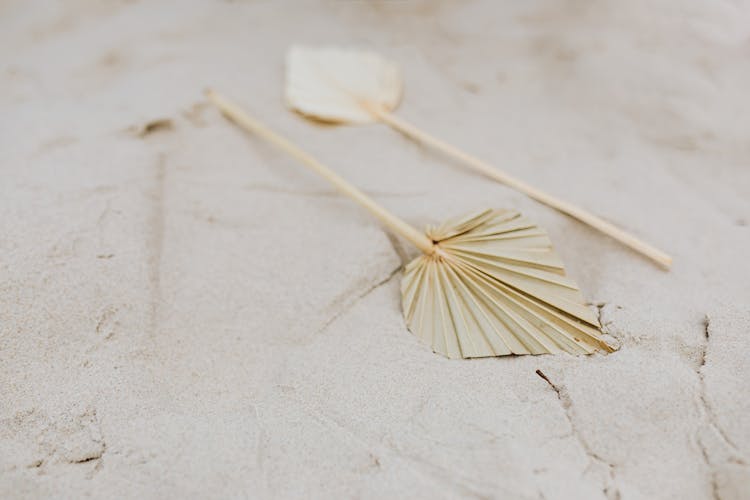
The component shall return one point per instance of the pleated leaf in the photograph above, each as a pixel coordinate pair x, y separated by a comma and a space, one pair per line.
496, 287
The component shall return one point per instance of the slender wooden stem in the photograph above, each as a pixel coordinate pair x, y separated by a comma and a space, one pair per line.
574, 211
398, 226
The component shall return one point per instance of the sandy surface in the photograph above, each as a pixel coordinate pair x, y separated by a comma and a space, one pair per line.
186, 312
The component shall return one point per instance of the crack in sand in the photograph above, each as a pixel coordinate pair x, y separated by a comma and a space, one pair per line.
157, 125
599, 306
614, 341
96, 454
610, 490
600, 309
156, 242
70, 439
398, 248
709, 417
709, 410
361, 296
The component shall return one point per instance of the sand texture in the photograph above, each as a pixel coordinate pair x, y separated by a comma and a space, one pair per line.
186, 312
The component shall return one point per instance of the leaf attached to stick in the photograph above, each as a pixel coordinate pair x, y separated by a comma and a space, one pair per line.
334, 84
357, 86
488, 284
494, 286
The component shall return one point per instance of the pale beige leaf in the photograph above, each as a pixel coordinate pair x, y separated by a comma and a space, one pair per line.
493, 287
332, 84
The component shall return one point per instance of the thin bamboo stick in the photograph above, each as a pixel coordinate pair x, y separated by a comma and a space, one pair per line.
395, 224
658, 256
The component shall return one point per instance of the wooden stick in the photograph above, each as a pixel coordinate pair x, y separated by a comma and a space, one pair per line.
398, 226
574, 211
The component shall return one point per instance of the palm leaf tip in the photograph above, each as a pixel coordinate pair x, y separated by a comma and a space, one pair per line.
494, 286
340, 85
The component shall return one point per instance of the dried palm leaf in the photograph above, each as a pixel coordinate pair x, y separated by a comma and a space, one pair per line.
354, 86
488, 284
494, 286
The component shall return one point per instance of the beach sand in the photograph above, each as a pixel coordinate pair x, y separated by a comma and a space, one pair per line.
187, 312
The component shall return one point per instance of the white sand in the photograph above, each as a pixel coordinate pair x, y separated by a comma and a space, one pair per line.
190, 313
